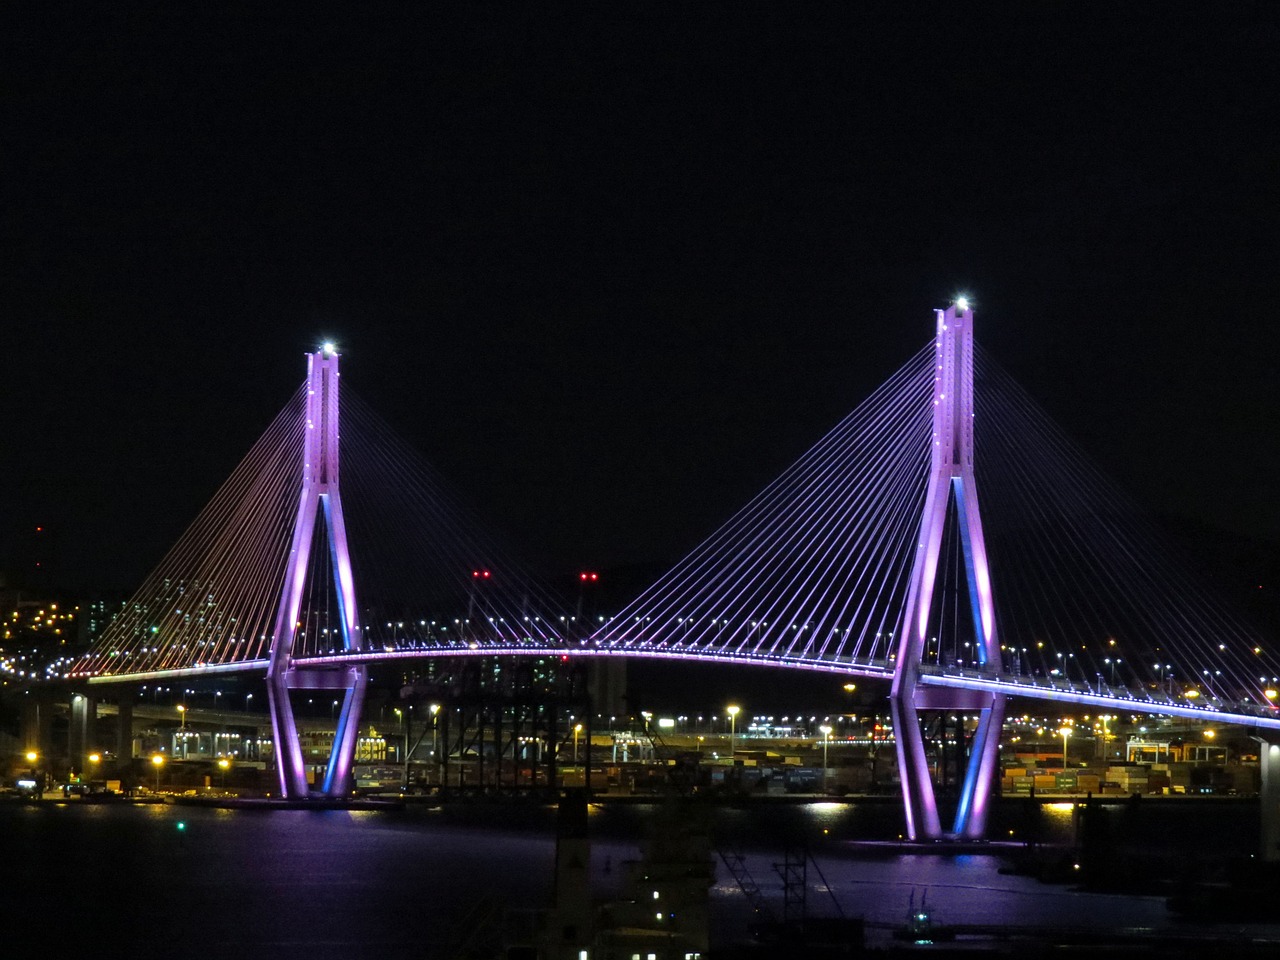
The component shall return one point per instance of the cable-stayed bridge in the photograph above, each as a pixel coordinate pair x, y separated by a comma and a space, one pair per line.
333, 545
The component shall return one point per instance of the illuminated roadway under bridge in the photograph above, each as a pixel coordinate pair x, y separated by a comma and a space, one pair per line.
868, 557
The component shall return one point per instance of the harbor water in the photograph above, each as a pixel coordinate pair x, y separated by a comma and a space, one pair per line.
420, 882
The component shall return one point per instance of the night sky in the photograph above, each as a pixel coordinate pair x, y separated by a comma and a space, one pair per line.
611, 268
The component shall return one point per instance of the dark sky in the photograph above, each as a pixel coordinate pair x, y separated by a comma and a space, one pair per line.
613, 269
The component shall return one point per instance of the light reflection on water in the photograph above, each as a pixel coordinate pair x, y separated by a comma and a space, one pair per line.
354, 884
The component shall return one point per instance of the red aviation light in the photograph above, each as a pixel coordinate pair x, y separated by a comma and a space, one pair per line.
588, 577
480, 574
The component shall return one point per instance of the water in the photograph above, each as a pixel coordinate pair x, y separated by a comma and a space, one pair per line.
169, 881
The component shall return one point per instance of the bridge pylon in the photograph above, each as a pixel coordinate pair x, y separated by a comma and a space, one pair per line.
319, 500
950, 479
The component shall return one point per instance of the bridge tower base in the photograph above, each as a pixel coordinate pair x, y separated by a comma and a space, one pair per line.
951, 478
320, 499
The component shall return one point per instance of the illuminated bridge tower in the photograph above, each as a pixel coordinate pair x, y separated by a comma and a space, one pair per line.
951, 476
320, 497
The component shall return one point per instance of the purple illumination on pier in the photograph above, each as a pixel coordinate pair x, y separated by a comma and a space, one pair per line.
319, 495
950, 476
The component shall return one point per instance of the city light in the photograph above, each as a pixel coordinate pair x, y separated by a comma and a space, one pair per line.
825, 730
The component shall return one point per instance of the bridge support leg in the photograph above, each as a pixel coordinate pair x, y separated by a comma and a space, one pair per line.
291, 771
918, 800
983, 768
338, 778
124, 726
81, 729
1269, 800
36, 730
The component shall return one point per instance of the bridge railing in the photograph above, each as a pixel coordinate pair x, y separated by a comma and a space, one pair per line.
1136, 699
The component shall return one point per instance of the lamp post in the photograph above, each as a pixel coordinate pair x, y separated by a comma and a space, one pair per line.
157, 761
182, 734
850, 689
223, 764
733, 717
825, 730
577, 729
435, 736
1066, 732
404, 729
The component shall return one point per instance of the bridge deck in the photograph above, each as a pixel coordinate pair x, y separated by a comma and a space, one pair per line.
1101, 696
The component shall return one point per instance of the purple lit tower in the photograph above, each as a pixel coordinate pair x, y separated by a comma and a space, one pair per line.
319, 493
951, 472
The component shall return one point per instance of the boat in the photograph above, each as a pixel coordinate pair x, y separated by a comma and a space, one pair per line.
920, 926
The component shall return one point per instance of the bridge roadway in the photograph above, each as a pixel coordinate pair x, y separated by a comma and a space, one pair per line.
1100, 696
168, 714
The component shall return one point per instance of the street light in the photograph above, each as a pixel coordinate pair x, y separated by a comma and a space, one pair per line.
223, 764
435, 730
157, 761
1066, 732
577, 729
406, 724
733, 717
182, 712
825, 730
